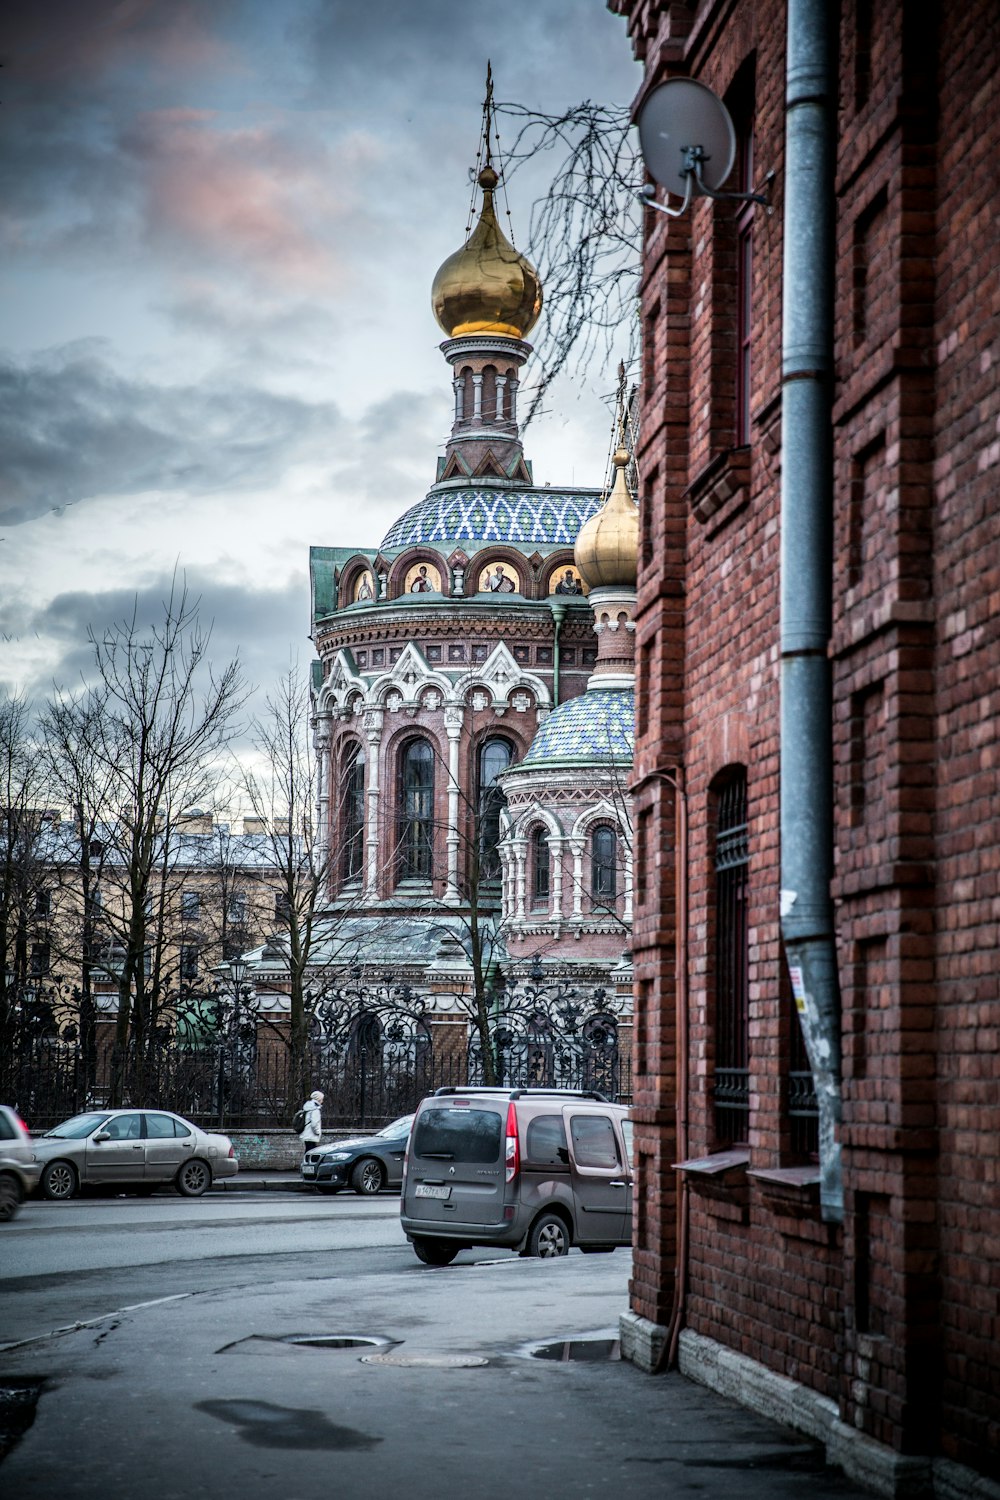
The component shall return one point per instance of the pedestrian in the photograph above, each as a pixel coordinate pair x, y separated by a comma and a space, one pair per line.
312, 1131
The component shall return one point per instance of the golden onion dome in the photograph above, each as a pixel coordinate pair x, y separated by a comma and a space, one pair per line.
607, 547
486, 287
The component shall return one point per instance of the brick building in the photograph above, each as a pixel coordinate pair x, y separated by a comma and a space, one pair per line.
851, 1284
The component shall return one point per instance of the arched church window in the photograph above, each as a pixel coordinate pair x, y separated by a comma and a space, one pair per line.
353, 821
604, 864
540, 867
495, 755
416, 811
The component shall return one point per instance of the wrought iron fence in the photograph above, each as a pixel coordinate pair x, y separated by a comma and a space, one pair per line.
223, 1086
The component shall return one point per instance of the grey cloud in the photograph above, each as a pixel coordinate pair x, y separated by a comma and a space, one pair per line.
72, 426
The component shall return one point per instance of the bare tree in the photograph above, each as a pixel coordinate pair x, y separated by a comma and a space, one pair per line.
161, 742
585, 234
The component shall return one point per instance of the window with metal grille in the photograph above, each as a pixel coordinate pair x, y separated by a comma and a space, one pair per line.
416, 811
189, 961
494, 756
353, 793
540, 867
744, 286
732, 1041
604, 873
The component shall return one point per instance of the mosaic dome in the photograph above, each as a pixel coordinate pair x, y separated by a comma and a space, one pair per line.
522, 517
597, 728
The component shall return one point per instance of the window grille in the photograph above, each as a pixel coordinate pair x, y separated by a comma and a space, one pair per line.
604, 872
353, 848
416, 814
540, 867
732, 1041
494, 757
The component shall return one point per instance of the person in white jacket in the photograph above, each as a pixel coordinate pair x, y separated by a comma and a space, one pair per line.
312, 1131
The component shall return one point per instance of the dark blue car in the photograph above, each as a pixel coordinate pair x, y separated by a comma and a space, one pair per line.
365, 1163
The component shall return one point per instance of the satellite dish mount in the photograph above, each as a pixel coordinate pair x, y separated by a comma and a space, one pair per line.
688, 142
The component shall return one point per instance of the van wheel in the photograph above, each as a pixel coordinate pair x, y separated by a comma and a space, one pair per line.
435, 1252
549, 1237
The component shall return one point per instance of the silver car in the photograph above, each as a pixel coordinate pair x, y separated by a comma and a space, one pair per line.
139, 1148
18, 1168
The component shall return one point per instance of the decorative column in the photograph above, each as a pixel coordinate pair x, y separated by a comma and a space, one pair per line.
459, 384
477, 397
520, 878
373, 734
577, 852
454, 715
557, 847
627, 909
501, 382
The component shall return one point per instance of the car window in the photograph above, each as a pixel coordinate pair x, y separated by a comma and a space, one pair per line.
468, 1135
181, 1129
627, 1133
594, 1143
76, 1128
159, 1127
7, 1131
124, 1127
545, 1144
397, 1128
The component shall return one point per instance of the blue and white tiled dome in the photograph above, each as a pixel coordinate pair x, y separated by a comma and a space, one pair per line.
597, 728
536, 518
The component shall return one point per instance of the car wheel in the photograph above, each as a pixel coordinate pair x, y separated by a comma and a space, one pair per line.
10, 1198
549, 1237
59, 1181
193, 1179
435, 1252
367, 1177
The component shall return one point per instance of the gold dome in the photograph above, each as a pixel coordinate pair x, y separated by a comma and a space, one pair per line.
607, 547
486, 287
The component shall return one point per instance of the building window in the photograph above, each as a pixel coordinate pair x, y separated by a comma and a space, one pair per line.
353, 792
190, 906
732, 1013
39, 960
494, 757
43, 904
416, 811
237, 912
540, 868
604, 864
189, 961
282, 907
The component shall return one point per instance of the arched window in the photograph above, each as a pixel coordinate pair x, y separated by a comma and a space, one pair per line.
416, 811
540, 868
604, 864
494, 756
353, 825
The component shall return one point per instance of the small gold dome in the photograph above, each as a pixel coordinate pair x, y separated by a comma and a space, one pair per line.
486, 287
607, 547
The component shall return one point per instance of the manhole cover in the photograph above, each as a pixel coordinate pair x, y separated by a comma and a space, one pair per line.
564, 1350
427, 1361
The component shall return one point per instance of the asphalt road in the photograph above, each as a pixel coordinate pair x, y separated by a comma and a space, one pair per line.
65, 1263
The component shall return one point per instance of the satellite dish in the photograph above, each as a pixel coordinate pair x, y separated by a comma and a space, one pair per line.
687, 137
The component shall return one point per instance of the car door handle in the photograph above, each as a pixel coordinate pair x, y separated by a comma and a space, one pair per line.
137, 1148
617, 1183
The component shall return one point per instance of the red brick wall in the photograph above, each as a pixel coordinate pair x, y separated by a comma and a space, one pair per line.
896, 1315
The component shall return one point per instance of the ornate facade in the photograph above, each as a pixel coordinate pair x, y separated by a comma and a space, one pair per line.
457, 738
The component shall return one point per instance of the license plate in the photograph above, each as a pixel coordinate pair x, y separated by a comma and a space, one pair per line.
308, 1170
429, 1190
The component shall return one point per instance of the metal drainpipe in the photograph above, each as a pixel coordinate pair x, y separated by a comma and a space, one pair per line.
558, 609
806, 566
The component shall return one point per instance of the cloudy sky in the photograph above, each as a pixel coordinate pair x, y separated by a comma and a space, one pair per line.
220, 224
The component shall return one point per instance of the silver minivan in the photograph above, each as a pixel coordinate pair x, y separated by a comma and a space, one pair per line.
532, 1170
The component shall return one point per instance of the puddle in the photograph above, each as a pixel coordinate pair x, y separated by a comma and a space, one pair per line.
597, 1350
18, 1399
273, 1343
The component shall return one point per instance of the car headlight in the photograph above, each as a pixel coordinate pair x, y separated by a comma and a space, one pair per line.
337, 1156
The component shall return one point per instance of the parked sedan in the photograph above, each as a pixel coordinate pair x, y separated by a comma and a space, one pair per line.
367, 1163
18, 1168
138, 1148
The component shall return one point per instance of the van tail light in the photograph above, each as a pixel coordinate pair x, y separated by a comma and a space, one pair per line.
512, 1155
232, 1151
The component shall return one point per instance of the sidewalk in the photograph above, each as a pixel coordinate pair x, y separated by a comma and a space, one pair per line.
207, 1395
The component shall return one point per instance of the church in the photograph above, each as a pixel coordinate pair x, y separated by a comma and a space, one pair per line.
473, 693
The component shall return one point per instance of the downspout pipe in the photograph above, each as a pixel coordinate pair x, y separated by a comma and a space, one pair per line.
558, 609
807, 925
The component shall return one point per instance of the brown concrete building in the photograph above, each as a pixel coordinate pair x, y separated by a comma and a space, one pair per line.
849, 1281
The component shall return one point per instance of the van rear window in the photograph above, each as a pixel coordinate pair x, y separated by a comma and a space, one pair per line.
546, 1144
471, 1135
